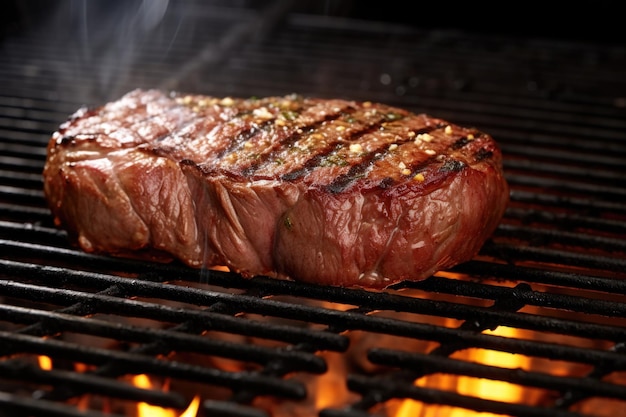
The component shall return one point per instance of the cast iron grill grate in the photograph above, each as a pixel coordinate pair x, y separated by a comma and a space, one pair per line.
553, 271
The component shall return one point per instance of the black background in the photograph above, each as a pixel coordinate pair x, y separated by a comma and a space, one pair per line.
600, 21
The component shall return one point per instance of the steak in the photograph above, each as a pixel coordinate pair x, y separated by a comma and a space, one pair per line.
327, 191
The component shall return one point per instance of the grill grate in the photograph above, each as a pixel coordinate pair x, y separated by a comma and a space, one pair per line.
548, 287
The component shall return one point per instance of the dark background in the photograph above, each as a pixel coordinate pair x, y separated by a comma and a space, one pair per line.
600, 20
593, 21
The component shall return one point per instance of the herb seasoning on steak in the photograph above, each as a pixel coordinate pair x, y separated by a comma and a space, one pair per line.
335, 192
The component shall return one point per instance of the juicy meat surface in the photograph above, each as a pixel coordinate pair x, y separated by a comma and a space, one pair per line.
336, 192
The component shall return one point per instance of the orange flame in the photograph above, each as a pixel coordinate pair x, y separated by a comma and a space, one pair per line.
148, 410
470, 386
330, 389
45, 362
192, 410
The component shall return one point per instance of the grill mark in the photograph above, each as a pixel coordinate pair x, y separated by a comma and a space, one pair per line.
452, 165
298, 133
173, 143
308, 147
342, 182
472, 137
388, 114
71, 139
432, 174
177, 130
459, 143
441, 163
386, 182
230, 110
310, 164
84, 116
126, 121
83, 119
183, 123
291, 139
482, 154
462, 141
243, 137
316, 160
448, 164
67, 141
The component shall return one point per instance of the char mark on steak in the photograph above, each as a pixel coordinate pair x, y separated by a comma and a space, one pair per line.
335, 137
333, 192
296, 133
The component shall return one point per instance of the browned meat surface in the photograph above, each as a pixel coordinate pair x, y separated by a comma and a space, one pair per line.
326, 191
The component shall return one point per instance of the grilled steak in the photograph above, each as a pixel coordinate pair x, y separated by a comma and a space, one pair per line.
326, 191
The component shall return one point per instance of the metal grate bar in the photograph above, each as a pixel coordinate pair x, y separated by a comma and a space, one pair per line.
59, 322
523, 294
369, 386
542, 276
121, 306
520, 294
421, 363
20, 370
565, 186
216, 408
137, 363
543, 236
18, 407
518, 253
568, 202
567, 221
583, 173
349, 320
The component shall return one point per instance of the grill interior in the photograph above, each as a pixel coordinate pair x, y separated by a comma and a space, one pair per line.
549, 287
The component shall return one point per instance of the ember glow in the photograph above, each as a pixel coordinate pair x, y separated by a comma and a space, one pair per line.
330, 391
45, 362
470, 386
330, 388
148, 410
143, 409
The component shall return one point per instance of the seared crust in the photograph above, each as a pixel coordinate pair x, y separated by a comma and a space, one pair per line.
327, 191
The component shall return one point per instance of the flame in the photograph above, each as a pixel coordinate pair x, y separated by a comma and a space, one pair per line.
148, 410
330, 389
141, 381
221, 268
80, 367
192, 410
45, 362
470, 386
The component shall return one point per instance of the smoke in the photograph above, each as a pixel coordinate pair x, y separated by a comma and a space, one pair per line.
98, 43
